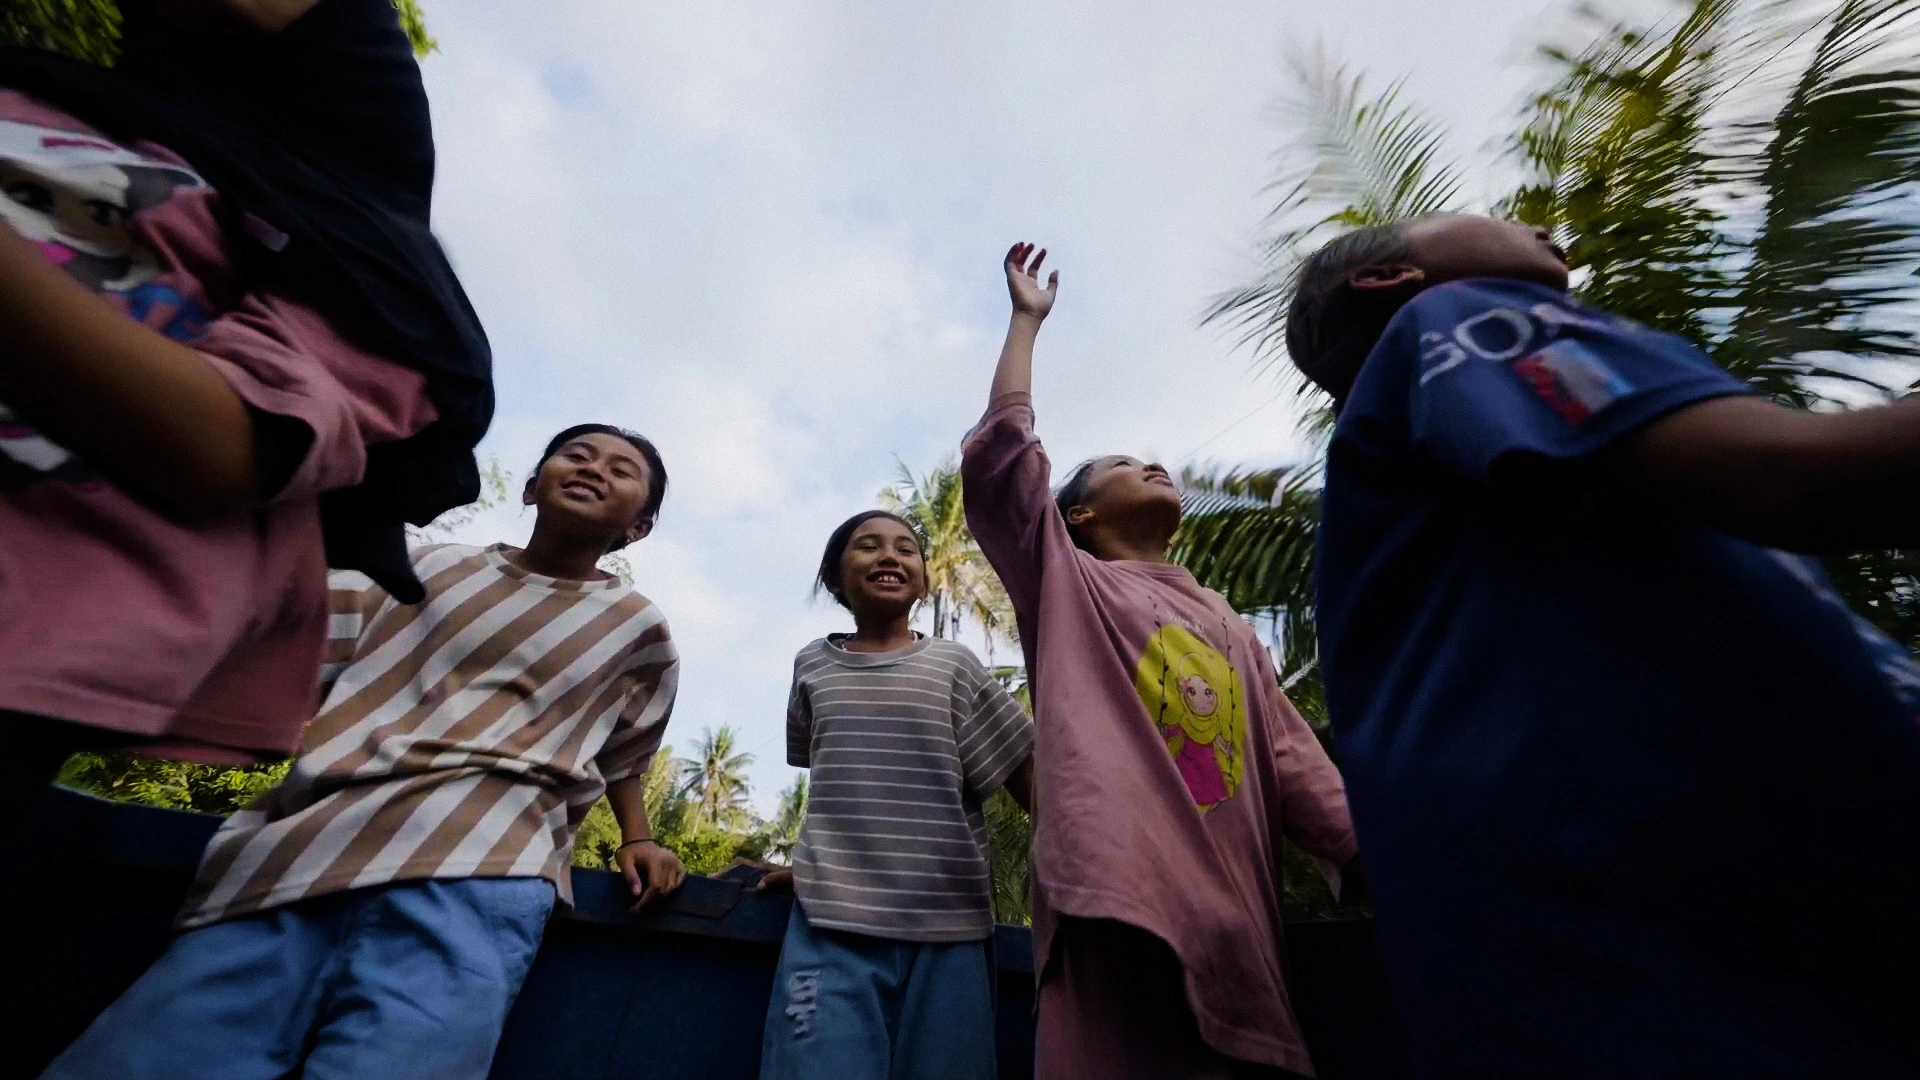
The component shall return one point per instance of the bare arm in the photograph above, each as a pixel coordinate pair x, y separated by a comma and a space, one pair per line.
1031, 303
147, 410
1020, 784
651, 870
1808, 482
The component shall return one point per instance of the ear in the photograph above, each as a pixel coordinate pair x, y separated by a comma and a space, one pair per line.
1079, 515
639, 530
526, 493
1387, 277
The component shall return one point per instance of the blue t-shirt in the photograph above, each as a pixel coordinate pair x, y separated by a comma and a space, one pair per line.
1636, 797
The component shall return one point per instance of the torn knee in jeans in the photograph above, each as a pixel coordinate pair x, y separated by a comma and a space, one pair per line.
803, 1000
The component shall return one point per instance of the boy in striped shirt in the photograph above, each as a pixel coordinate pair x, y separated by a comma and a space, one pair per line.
376, 913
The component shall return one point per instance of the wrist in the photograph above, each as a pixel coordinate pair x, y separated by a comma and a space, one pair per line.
640, 840
1027, 320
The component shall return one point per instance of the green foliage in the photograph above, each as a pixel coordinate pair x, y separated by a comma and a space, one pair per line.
84, 29
176, 785
715, 781
960, 583
1705, 178
90, 29
1009, 859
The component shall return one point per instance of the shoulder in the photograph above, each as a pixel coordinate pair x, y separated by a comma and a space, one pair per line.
811, 657
956, 658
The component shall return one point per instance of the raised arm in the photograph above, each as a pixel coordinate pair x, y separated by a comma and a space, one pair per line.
1808, 482
1031, 303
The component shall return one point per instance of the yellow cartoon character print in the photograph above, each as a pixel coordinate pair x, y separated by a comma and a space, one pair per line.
1194, 695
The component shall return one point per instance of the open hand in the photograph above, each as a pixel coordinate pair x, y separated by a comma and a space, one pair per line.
1023, 281
652, 871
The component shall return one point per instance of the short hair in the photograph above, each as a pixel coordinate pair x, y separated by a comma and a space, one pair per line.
1325, 328
1074, 493
657, 480
828, 577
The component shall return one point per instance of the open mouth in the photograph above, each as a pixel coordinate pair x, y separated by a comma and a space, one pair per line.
1558, 253
887, 577
581, 487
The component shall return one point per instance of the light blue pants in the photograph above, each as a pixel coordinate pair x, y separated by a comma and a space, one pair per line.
410, 981
852, 1007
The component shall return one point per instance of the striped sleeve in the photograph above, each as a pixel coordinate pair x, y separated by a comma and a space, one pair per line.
643, 721
799, 720
352, 601
993, 733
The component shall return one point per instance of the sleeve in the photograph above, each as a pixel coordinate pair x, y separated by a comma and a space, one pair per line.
1310, 804
799, 721
654, 674
1004, 476
992, 732
318, 401
1499, 377
352, 602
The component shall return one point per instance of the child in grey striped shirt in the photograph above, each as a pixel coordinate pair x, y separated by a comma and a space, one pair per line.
884, 971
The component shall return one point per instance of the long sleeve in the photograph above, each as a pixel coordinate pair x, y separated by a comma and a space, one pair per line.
1005, 475
1311, 803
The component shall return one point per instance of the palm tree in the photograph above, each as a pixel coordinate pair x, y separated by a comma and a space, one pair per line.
715, 781
960, 583
784, 835
1741, 174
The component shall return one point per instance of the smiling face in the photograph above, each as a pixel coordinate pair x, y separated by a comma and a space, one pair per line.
882, 574
1199, 696
593, 483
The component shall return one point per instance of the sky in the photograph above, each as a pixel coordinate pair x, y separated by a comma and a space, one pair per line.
768, 236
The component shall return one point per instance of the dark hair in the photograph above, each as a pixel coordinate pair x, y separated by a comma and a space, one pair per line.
1329, 331
657, 482
828, 577
1074, 493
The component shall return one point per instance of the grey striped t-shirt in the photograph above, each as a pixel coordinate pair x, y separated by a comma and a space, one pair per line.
903, 747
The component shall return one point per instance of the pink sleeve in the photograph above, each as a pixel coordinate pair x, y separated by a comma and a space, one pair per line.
1312, 800
1004, 476
283, 358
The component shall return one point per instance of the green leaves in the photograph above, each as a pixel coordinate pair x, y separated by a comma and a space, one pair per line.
83, 29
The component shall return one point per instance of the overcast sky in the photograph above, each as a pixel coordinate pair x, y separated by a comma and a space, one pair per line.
768, 236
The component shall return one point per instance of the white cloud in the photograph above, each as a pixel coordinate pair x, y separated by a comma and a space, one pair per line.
768, 236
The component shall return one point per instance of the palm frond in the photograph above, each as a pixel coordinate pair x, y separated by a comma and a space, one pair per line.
1839, 241
1364, 158
1623, 172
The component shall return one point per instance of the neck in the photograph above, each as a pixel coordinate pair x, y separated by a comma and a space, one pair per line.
565, 557
883, 634
1135, 547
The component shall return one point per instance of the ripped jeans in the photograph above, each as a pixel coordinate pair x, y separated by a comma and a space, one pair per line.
852, 1007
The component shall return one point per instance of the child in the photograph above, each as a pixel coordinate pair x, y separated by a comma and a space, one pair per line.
375, 914
1170, 763
1641, 796
233, 355
885, 969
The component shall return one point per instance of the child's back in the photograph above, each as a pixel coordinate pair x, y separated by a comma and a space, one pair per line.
1640, 796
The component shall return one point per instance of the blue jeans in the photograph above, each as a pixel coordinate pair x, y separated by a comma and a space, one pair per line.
852, 1007
410, 981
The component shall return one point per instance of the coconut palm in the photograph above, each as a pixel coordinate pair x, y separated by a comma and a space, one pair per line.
784, 834
714, 781
960, 583
1741, 174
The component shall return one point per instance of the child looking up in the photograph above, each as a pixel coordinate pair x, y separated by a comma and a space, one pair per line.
1641, 795
885, 971
376, 913
1170, 765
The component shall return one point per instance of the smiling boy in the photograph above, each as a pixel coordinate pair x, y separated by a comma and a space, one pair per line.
375, 914
1640, 795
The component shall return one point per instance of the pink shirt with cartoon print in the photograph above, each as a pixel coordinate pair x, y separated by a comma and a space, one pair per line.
1168, 765
202, 641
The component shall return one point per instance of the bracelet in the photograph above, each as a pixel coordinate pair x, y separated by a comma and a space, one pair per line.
642, 840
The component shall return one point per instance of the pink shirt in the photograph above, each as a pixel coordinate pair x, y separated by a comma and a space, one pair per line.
1168, 763
205, 639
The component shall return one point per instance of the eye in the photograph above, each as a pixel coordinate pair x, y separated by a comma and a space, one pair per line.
105, 213
30, 195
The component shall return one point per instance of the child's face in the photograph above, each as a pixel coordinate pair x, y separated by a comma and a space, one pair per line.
1449, 247
596, 482
1122, 490
882, 575
1200, 698
84, 208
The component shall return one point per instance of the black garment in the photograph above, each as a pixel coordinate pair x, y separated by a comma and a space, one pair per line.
319, 142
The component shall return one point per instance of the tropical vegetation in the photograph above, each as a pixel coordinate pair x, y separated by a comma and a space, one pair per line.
90, 29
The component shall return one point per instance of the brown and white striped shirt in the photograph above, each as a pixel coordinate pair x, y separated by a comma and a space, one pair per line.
462, 737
